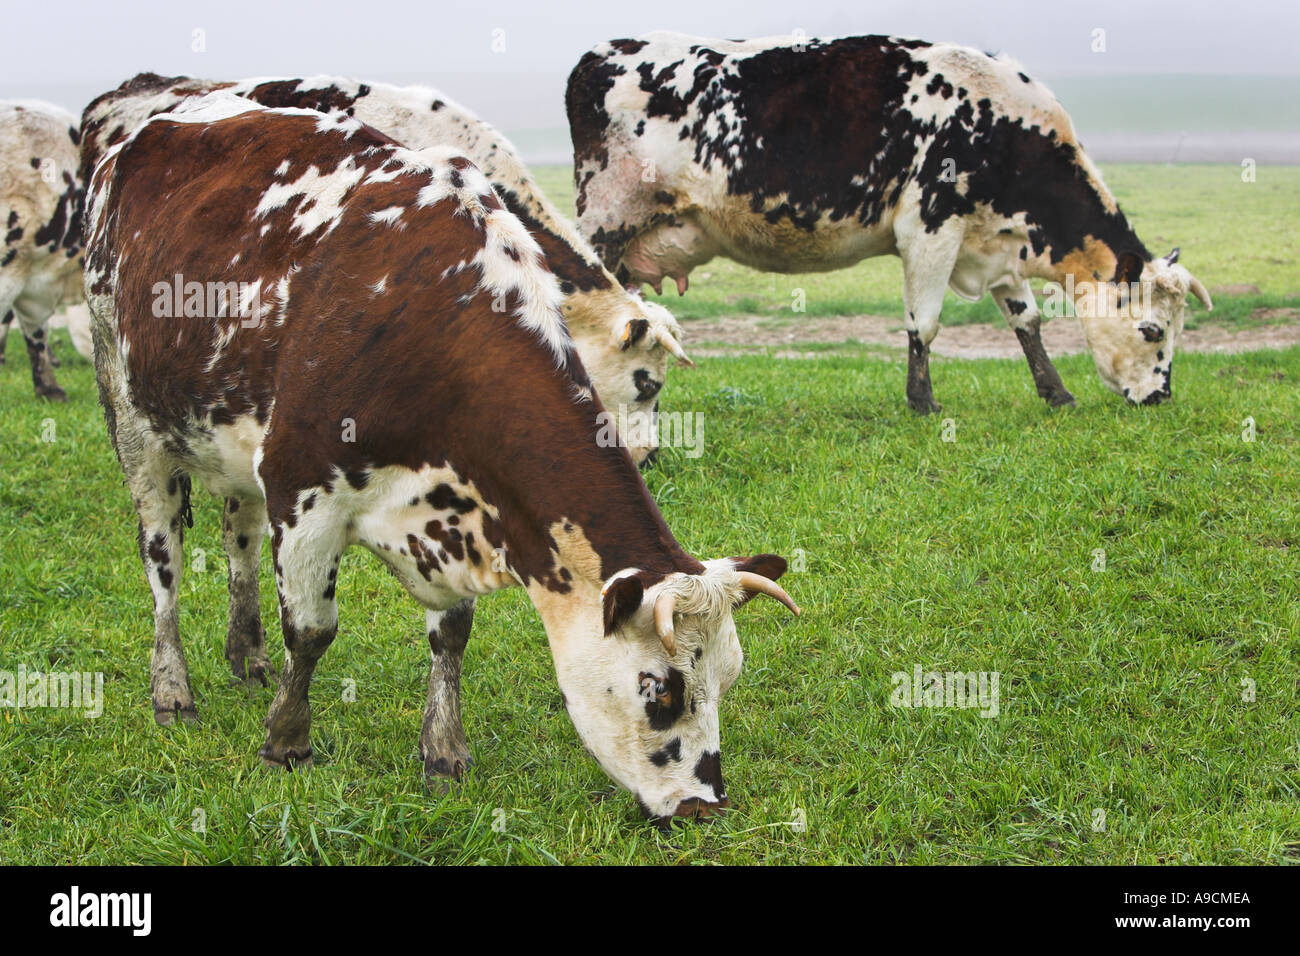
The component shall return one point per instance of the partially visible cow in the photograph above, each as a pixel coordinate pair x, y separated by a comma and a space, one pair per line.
624, 340
356, 385
809, 155
40, 219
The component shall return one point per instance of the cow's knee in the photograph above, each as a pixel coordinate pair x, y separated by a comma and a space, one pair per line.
924, 324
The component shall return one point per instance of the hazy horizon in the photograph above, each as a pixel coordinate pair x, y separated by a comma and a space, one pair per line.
508, 62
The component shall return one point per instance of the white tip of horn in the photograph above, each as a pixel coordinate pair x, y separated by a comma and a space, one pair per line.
757, 584
665, 338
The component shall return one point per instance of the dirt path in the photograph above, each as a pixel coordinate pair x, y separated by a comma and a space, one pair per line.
1061, 336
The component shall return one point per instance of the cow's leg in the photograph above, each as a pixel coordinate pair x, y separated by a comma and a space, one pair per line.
928, 261
5, 322
1021, 311
32, 320
243, 527
307, 560
442, 738
162, 501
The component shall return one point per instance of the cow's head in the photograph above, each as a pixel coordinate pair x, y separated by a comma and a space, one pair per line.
625, 343
1133, 323
643, 689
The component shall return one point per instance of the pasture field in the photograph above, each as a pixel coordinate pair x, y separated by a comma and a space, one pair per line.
1130, 574
1231, 232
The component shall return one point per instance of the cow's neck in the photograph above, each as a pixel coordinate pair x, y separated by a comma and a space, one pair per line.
1094, 261
570, 509
596, 518
1083, 230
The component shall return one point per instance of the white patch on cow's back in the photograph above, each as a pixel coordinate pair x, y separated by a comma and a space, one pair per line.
323, 196
387, 216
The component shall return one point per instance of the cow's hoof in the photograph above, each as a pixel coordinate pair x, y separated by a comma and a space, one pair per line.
253, 674
443, 770
926, 406
1062, 399
287, 758
177, 713
52, 393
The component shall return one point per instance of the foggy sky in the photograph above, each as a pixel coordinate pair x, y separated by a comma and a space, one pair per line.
71, 52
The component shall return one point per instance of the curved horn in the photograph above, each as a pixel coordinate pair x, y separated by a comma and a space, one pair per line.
665, 338
757, 584
664, 605
1199, 290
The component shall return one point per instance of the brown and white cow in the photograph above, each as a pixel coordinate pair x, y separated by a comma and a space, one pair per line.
40, 219
803, 155
355, 384
624, 341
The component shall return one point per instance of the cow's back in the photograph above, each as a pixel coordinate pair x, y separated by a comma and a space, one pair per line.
370, 274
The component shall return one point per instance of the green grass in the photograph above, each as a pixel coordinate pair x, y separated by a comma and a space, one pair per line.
1230, 233
1121, 690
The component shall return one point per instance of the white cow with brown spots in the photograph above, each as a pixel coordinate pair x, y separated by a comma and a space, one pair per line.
360, 386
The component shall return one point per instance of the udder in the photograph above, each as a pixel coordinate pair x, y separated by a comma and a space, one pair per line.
670, 249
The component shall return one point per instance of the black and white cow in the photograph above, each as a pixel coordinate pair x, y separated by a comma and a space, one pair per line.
624, 340
807, 155
40, 219
301, 313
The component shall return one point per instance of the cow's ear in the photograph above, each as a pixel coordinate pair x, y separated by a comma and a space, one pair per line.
770, 566
633, 333
621, 599
1129, 269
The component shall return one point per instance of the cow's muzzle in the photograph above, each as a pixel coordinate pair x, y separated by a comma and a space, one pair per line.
693, 808
697, 808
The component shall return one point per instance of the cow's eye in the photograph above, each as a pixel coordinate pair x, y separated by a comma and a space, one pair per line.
1151, 332
646, 387
654, 689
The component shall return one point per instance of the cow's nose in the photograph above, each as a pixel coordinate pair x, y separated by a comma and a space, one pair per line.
1155, 398
697, 808
649, 460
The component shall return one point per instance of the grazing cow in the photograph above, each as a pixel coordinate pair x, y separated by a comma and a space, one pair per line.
810, 155
624, 341
40, 209
354, 383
